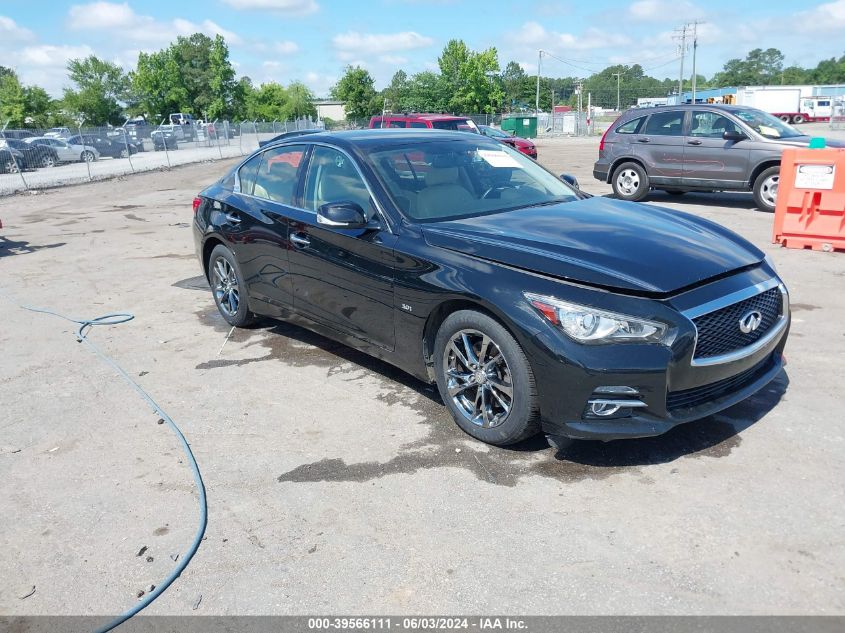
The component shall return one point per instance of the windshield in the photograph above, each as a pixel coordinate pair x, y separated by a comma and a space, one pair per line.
766, 124
453, 179
491, 131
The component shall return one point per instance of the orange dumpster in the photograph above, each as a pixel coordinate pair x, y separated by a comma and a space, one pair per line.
810, 210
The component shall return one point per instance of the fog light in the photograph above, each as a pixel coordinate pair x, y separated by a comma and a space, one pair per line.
606, 407
603, 409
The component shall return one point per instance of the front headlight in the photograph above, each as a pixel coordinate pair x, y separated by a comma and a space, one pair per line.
589, 325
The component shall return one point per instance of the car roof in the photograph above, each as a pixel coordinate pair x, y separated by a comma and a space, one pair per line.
369, 138
638, 112
421, 116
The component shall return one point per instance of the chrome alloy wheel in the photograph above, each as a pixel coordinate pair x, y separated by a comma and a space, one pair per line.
628, 181
226, 287
769, 189
478, 378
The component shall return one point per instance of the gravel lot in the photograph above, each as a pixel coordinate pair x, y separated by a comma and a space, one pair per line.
337, 484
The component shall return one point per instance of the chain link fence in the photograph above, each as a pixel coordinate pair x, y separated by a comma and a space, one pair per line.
37, 158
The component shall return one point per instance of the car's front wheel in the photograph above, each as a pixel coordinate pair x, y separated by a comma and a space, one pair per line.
48, 161
766, 189
87, 157
485, 380
228, 286
630, 182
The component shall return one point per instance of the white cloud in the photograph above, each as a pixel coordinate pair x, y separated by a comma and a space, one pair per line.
592, 38
10, 31
319, 83
829, 16
395, 60
352, 43
288, 7
49, 55
102, 15
45, 65
663, 10
186, 27
286, 47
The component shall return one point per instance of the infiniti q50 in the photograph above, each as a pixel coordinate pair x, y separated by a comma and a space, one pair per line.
532, 306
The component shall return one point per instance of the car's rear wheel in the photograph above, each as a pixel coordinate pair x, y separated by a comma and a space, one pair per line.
485, 379
228, 287
87, 157
766, 189
785, 118
798, 118
48, 161
124, 153
630, 182
10, 166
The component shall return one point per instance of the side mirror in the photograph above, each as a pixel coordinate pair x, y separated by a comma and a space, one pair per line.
342, 215
570, 180
733, 135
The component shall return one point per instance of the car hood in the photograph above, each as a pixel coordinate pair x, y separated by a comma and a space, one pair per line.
631, 247
804, 141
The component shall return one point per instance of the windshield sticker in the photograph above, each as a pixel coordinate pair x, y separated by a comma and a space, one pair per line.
771, 132
495, 158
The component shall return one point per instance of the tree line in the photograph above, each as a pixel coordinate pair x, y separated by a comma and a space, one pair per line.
194, 74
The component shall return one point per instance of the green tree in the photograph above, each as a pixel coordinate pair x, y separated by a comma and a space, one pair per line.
100, 86
41, 110
12, 101
356, 89
396, 91
156, 83
828, 71
425, 92
300, 101
760, 67
268, 102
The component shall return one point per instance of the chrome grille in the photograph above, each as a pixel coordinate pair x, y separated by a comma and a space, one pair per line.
719, 332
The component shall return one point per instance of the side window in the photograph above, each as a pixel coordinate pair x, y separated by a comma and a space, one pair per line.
665, 124
710, 124
333, 178
248, 172
376, 124
418, 124
631, 127
277, 174
396, 124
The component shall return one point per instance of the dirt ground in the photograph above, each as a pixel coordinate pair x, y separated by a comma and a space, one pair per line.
336, 484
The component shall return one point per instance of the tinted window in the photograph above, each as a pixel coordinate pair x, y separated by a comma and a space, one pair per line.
418, 124
396, 124
665, 124
710, 124
247, 174
376, 124
332, 177
277, 174
631, 127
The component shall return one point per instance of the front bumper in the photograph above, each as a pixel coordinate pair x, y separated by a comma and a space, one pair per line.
666, 387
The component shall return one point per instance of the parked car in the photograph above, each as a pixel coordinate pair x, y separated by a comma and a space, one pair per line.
138, 131
11, 160
531, 305
121, 136
115, 148
430, 121
185, 123
164, 139
698, 147
66, 152
57, 132
517, 142
33, 155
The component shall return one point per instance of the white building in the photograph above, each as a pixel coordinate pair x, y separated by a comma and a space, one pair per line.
327, 109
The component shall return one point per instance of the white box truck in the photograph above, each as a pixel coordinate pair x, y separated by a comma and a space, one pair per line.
787, 104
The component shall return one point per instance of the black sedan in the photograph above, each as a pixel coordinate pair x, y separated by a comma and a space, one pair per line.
531, 305
116, 147
34, 156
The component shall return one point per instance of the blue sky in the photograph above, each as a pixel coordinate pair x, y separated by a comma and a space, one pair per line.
312, 40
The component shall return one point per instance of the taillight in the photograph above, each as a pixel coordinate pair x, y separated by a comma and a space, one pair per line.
603, 136
197, 203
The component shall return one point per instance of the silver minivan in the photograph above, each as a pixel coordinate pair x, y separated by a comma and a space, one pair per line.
700, 147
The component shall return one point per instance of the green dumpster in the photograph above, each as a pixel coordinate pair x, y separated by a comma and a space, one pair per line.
524, 125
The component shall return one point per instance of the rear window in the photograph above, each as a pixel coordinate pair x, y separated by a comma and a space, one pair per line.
456, 124
418, 124
631, 127
375, 124
396, 124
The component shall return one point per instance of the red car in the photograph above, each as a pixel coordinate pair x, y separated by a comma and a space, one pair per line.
522, 144
431, 121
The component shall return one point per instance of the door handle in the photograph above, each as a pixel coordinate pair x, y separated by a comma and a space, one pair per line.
298, 239
694, 142
233, 218
644, 140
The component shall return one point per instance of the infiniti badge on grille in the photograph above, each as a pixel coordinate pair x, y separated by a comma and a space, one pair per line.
750, 321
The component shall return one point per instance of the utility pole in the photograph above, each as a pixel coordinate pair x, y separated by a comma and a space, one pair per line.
618, 79
683, 38
694, 49
537, 103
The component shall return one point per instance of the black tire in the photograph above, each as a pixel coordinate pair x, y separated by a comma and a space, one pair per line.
10, 166
784, 117
674, 192
240, 316
48, 161
762, 189
798, 118
124, 153
522, 419
630, 182
87, 157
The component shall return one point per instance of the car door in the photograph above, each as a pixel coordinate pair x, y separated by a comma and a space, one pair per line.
255, 223
63, 150
660, 145
709, 159
342, 278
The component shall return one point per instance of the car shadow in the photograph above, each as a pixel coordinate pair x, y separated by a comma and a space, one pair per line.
21, 247
715, 435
